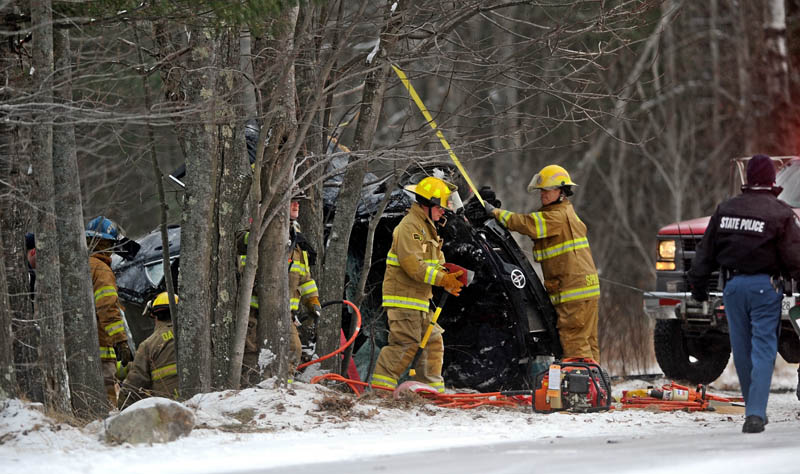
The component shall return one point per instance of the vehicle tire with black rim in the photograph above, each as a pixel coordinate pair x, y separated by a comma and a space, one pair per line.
698, 360
670, 349
710, 356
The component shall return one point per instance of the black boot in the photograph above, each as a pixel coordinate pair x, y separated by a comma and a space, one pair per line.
753, 424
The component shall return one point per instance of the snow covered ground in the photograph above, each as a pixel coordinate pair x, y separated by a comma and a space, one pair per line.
308, 426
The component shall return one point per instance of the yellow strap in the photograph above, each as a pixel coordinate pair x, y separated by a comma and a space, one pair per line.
439, 134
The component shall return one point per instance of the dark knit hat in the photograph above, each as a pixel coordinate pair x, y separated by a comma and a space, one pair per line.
30, 241
760, 171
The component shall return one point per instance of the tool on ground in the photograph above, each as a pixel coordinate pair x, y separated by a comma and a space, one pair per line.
673, 396
577, 385
466, 279
421, 106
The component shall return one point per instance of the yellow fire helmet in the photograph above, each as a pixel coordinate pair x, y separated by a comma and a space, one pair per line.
550, 177
432, 191
160, 303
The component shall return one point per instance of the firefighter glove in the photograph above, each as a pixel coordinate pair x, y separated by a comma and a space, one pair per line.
315, 307
452, 268
489, 208
699, 294
451, 283
489, 196
123, 352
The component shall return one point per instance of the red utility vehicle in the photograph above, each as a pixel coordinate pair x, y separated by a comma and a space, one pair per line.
691, 338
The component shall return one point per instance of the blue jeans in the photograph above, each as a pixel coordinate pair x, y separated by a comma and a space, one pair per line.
753, 308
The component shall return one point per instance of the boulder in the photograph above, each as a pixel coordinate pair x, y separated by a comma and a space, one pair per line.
152, 420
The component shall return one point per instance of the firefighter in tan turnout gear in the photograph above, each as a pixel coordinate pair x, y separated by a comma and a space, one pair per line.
154, 372
302, 289
414, 265
103, 236
561, 247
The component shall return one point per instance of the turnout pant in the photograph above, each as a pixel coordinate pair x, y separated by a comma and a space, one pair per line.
109, 368
577, 328
406, 329
753, 308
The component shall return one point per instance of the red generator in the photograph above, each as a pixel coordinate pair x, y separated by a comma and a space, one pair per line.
583, 387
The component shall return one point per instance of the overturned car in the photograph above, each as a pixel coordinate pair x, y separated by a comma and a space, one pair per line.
498, 332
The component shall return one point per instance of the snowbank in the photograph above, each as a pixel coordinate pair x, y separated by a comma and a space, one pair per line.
268, 427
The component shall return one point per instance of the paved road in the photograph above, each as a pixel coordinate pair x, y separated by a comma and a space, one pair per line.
775, 451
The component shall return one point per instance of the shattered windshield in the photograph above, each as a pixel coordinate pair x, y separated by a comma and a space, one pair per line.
789, 178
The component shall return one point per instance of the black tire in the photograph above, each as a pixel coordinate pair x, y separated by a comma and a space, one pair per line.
673, 352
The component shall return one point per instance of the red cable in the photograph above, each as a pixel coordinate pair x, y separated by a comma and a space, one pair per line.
444, 400
341, 348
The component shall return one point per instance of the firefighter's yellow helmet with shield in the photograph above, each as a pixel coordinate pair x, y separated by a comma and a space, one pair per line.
550, 177
432, 191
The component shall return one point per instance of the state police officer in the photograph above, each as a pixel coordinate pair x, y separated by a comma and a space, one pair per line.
753, 237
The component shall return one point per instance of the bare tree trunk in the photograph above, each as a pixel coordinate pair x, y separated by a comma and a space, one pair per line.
246, 68
274, 317
158, 179
312, 165
775, 134
80, 324
15, 220
232, 194
714, 36
333, 278
8, 380
743, 69
48, 292
199, 134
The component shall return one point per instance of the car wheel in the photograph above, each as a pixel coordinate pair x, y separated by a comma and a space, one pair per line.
700, 360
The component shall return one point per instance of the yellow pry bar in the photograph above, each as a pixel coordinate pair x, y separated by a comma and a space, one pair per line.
439, 134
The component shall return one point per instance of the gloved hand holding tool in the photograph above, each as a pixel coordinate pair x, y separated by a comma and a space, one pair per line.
459, 277
123, 352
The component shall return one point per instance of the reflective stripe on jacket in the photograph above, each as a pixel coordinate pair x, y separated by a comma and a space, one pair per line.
561, 246
414, 262
110, 328
154, 371
301, 285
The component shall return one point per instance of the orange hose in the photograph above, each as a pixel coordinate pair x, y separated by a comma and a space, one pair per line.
341, 348
446, 400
